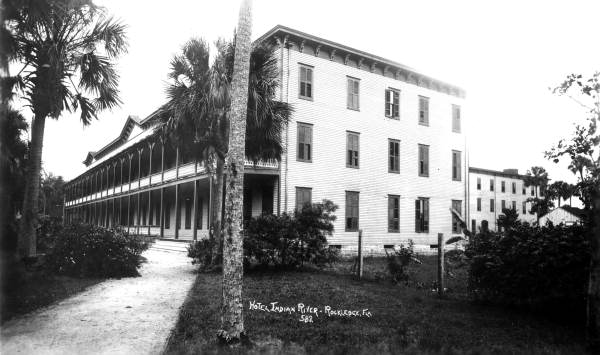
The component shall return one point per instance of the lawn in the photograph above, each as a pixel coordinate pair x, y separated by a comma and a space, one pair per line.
403, 318
25, 290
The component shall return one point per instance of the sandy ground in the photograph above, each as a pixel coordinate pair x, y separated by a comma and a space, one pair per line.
127, 316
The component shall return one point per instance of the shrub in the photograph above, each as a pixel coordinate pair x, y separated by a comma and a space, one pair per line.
291, 240
91, 251
48, 229
399, 260
539, 268
200, 252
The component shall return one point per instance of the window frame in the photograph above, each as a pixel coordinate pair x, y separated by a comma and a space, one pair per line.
303, 189
392, 210
420, 159
492, 183
478, 204
503, 186
456, 118
514, 187
348, 93
311, 83
389, 106
479, 183
355, 226
459, 167
422, 217
352, 161
524, 207
310, 143
492, 205
455, 221
425, 109
396, 158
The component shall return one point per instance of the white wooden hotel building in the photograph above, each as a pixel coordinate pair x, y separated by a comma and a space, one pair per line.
383, 141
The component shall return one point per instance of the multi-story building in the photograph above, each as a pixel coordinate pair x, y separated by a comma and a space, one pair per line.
491, 191
383, 141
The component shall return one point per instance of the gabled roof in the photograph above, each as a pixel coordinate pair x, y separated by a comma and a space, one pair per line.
508, 173
579, 212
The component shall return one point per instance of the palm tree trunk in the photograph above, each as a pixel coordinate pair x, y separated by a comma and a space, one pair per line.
232, 320
216, 211
29, 221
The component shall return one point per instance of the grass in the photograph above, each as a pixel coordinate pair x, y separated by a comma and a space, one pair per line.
25, 290
405, 318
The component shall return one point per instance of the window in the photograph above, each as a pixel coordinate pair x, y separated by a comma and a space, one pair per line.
532, 191
503, 204
303, 195
492, 205
306, 82
514, 187
473, 226
422, 215
423, 160
479, 204
478, 183
304, 142
503, 186
456, 165
514, 205
524, 189
352, 150
394, 156
351, 211
457, 206
188, 213
393, 213
491, 184
456, 118
392, 103
423, 110
524, 207
353, 92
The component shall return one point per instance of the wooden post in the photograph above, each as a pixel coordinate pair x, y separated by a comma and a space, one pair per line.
162, 213
137, 207
177, 214
195, 212
441, 264
149, 214
128, 212
360, 254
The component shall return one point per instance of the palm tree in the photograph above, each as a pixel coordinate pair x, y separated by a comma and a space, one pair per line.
232, 320
537, 177
197, 112
67, 50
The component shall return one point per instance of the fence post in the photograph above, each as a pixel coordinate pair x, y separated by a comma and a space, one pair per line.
360, 256
440, 264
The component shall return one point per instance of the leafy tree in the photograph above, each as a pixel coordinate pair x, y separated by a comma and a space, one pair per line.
232, 320
561, 190
582, 152
66, 49
199, 107
508, 219
51, 195
538, 177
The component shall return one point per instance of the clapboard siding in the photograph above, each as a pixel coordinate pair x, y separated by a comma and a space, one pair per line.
328, 175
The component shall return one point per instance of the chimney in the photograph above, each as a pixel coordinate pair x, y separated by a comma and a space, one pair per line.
512, 171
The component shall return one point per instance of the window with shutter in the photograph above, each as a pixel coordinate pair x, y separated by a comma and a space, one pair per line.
394, 156
303, 196
456, 165
514, 187
492, 205
423, 160
352, 147
393, 213
351, 211
423, 110
456, 118
422, 215
305, 90
479, 204
392, 103
304, 142
353, 93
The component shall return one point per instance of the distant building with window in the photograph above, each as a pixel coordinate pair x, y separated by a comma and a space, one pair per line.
381, 140
487, 200
566, 215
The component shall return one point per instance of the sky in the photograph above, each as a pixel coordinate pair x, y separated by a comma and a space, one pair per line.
505, 54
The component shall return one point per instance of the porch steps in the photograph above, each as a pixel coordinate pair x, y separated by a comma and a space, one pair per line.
170, 246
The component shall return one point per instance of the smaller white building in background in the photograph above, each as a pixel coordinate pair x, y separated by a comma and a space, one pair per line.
490, 191
567, 215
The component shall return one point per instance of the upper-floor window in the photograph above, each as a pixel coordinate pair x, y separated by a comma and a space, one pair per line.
514, 187
514, 205
392, 103
353, 93
492, 205
423, 160
424, 110
305, 89
503, 186
422, 215
393, 213
394, 156
457, 206
491, 184
456, 165
352, 150
503, 204
351, 211
524, 207
304, 142
456, 118
303, 196
524, 190
532, 191
478, 183
479, 204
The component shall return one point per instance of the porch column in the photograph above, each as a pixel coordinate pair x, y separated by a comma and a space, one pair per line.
177, 163
162, 213
149, 209
140, 151
162, 161
107, 178
100, 186
194, 216
130, 155
210, 203
115, 177
114, 219
121, 211
121, 179
106, 216
151, 148
128, 211
177, 211
138, 213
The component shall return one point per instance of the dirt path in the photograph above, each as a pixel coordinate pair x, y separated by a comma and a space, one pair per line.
126, 316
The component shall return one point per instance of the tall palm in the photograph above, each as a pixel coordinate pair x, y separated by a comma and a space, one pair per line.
197, 112
538, 178
67, 49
